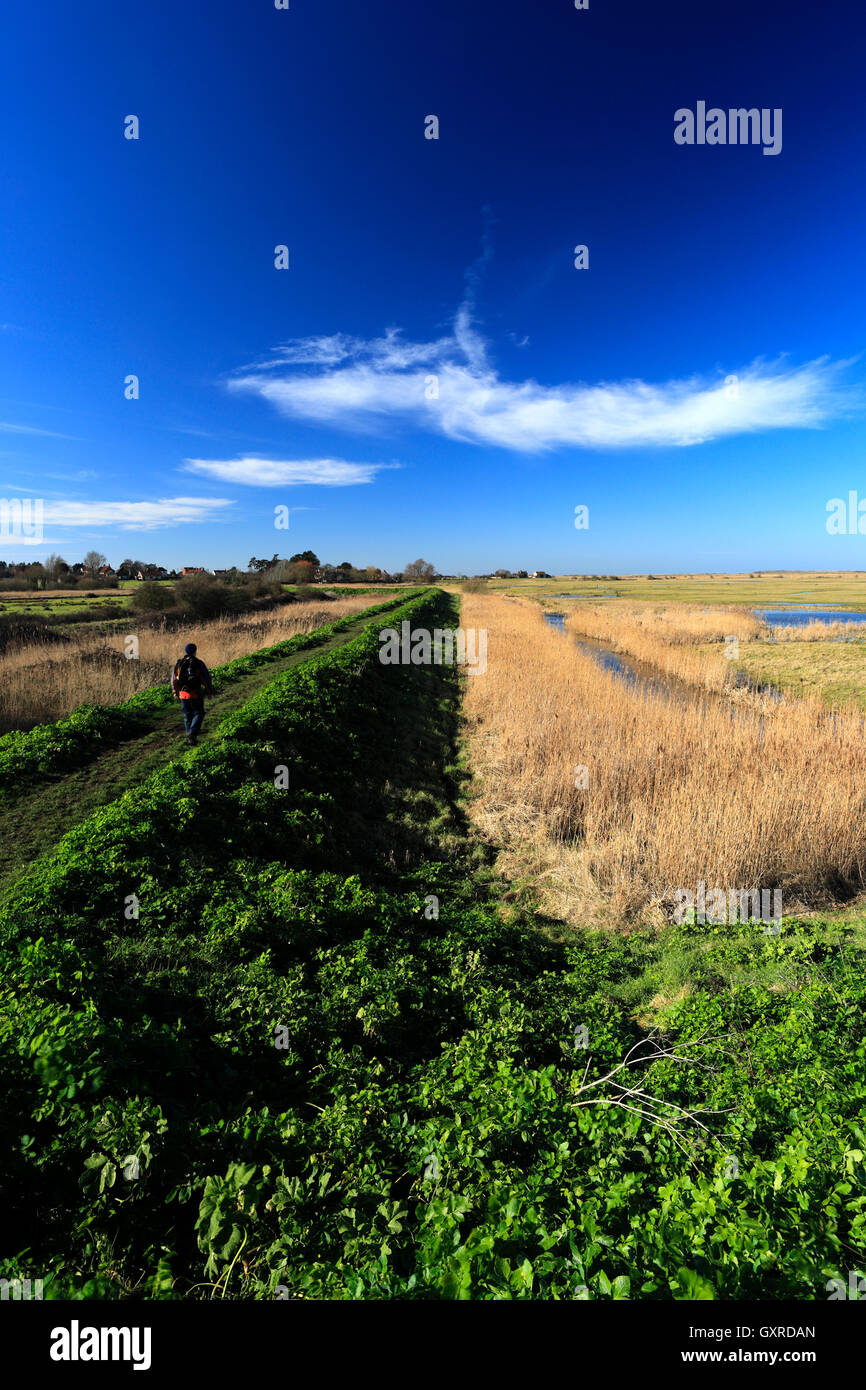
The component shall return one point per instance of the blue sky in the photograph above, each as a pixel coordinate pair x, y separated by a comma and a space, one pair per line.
412, 258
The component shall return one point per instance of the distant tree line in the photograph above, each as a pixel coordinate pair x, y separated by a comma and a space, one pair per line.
301, 569
92, 572
307, 568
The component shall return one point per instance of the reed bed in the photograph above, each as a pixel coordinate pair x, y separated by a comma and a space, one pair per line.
694, 644
675, 624
820, 632
678, 791
691, 644
40, 683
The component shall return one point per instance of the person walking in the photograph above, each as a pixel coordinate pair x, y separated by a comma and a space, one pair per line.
190, 679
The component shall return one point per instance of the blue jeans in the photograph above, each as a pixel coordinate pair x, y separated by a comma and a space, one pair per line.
193, 714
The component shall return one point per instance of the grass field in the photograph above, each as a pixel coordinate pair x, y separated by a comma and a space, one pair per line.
845, 588
48, 603
833, 671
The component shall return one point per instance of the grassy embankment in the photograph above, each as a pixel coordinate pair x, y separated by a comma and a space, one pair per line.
329, 1058
45, 680
53, 776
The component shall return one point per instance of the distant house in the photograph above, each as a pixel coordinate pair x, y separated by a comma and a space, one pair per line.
539, 574
105, 570
193, 569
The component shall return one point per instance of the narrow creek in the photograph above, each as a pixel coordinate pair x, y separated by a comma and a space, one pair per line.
644, 678
640, 675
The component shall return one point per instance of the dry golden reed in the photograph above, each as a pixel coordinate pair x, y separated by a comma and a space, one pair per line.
674, 639
821, 632
682, 787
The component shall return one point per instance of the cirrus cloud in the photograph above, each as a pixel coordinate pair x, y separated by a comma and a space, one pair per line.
135, 516
259, 472
358, 384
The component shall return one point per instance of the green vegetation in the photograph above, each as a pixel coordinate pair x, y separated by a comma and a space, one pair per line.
346, 590
151, 596
76, 606
832, 669
323, 1061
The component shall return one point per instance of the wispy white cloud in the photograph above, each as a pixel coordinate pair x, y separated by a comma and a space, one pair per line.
136, 516
358, 384
6, 427
260, 472
34, 490
10, 545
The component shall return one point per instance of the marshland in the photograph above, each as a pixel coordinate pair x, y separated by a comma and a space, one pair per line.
717, 759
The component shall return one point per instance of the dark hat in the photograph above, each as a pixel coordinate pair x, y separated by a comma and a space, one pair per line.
189, 648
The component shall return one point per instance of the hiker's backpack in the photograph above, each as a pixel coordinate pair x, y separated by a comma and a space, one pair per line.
188, 671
